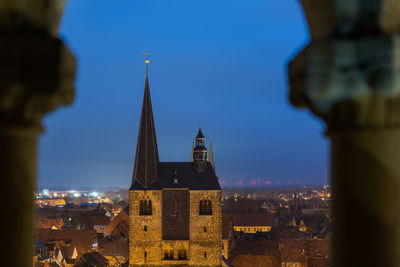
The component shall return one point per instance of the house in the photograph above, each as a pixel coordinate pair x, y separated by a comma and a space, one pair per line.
253, 223
119, 226
228, 236
67, 245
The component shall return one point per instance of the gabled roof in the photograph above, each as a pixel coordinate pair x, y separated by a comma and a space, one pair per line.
46, 223
187, 175
253, 219
146, 159
92, 259
114, 246
81, 239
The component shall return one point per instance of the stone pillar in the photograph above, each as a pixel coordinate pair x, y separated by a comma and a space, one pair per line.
36, 75
349, 76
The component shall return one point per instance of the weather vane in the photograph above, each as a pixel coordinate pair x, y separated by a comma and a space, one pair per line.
146, 54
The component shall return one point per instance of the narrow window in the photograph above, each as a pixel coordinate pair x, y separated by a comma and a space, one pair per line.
145, 254
145, 207
209, 207
201, 208
141, 208
145, 228
149, 208
182, 254
205, 254
168, 254
205, 229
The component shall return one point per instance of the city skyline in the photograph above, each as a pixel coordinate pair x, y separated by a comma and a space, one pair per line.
218, 66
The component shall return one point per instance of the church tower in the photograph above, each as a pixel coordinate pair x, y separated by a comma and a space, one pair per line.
175, 216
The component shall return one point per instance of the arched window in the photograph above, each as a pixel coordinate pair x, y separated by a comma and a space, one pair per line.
145, 207
209, 207
182, 254
168, 254
205, 207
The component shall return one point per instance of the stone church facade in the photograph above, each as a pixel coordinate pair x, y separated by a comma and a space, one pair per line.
175, 216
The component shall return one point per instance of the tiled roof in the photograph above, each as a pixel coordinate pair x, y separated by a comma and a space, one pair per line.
81, 239
114, 246
92, 259
87, 222
299, 249
253, 219
188, 177
45, 223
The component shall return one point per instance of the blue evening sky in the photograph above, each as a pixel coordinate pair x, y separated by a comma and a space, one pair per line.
219, 61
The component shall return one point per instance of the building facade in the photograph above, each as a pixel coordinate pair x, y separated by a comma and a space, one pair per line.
175, 216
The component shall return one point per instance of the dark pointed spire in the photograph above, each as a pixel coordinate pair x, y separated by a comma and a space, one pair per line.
200, 134
146, 159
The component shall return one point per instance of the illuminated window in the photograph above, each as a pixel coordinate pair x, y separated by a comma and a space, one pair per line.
168, 254
182, 254
205, 207
145, 207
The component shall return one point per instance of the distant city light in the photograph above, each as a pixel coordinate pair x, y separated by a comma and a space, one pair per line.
77, 194
46, 192
94, 194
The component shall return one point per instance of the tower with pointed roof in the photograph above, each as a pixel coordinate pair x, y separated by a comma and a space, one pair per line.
175, 216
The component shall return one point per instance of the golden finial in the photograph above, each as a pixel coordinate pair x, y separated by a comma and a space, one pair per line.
146, 54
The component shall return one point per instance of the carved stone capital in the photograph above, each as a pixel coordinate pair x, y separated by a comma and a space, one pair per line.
344, 80
36, 75
349, 74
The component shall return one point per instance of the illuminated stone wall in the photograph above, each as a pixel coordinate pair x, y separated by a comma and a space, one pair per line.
141, 241
209, 241
203, 247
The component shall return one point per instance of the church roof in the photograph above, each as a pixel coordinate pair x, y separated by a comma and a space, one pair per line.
187, 175
146, 159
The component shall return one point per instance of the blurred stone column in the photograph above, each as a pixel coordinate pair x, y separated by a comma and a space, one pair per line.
349, 76
36, 76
